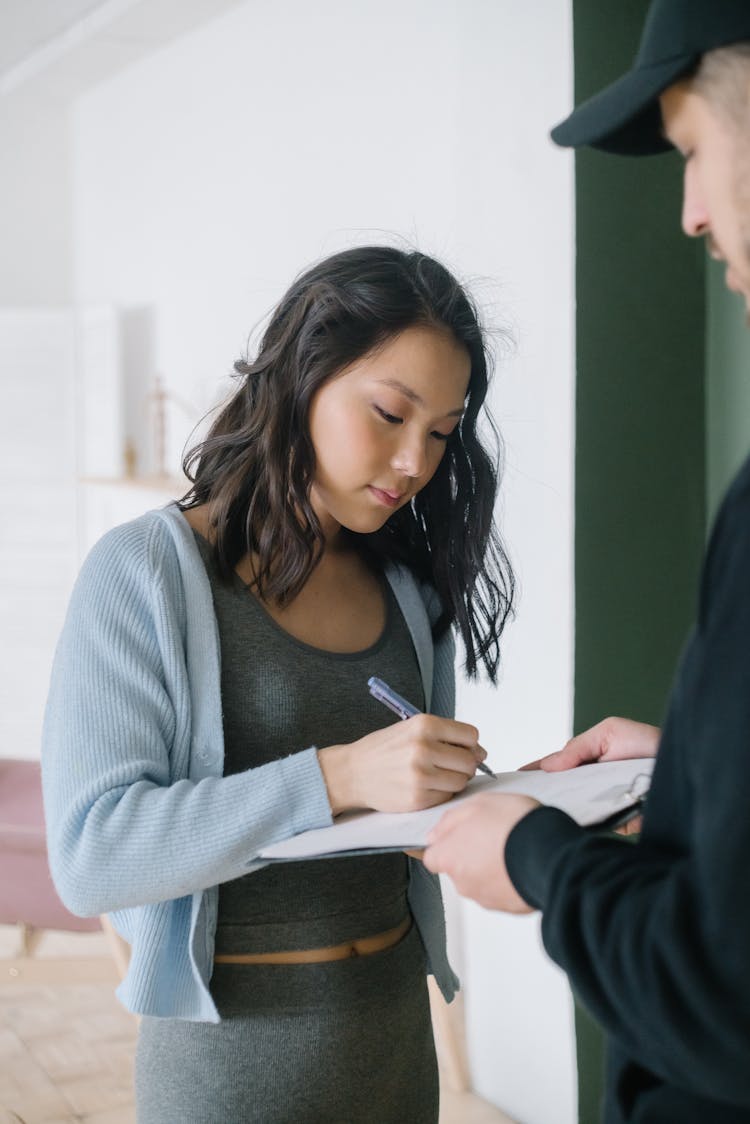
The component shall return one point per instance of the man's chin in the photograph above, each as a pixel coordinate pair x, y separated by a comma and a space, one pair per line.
742, 289
744, 294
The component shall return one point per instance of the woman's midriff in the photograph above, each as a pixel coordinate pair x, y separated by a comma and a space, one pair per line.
363, 946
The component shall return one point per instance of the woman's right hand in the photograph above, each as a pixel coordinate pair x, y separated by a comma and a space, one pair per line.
402, 768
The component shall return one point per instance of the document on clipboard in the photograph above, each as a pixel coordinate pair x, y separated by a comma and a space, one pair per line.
598, 794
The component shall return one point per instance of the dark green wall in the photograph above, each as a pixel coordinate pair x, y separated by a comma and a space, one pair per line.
640, 448
640, 471
727, 385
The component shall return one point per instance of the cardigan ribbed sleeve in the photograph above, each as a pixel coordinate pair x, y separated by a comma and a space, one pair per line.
137, 809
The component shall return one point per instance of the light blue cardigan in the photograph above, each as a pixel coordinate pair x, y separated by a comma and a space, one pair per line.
140, 820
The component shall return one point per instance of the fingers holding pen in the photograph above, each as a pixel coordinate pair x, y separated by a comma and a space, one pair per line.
434, 757
410, 765
449, 739
381, 691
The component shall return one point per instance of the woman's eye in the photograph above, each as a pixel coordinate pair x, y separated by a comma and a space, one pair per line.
441, 436
391, 418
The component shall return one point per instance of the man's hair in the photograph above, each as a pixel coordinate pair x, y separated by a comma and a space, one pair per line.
723, 79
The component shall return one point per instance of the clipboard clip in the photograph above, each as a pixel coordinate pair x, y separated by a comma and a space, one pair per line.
633, 799
639, 787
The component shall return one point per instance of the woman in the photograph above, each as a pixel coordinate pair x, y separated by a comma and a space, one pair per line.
209, 697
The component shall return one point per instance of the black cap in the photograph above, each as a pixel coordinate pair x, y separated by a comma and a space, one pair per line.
625, 117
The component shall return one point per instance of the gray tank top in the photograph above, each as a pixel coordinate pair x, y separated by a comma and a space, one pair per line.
280, 695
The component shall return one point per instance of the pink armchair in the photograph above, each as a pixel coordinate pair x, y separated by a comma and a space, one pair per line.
27, 895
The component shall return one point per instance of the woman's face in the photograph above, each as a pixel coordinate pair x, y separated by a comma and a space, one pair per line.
379, 427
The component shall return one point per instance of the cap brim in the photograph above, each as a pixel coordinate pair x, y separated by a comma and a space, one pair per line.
625, 117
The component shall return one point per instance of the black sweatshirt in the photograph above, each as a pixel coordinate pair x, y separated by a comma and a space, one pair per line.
655, 935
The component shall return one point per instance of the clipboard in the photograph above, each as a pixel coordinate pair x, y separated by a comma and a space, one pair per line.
597, 796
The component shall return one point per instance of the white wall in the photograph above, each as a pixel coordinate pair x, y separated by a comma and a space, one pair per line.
35, 202
520, 231
208, 174
37, 457
37, 512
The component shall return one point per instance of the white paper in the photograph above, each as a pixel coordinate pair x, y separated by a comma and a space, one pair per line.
590, 794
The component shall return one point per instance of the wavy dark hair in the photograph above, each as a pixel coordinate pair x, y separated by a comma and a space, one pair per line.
255, 467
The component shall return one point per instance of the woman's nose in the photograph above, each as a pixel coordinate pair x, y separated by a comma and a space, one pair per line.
410, 458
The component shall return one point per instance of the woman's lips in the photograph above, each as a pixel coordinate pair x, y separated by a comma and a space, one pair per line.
389, 499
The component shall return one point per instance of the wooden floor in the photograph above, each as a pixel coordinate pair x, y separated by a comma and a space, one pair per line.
66, 1050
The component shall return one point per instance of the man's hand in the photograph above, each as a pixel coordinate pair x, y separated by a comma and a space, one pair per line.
630, 827
614, 739
468, 844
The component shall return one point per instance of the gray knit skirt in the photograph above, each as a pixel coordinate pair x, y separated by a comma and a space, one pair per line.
345, 1042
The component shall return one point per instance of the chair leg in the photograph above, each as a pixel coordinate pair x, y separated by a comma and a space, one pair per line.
448, 1028
29, 938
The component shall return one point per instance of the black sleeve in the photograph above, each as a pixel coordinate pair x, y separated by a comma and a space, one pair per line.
655, 935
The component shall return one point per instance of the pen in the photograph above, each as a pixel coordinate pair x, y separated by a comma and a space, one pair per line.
388, 697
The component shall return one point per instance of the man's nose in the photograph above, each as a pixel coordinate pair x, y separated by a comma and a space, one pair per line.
695, 221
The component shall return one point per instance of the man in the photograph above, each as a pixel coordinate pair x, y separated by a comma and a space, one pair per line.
655, 935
